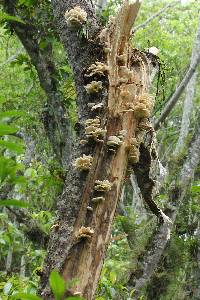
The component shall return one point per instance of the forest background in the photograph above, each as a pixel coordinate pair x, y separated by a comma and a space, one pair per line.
142, 259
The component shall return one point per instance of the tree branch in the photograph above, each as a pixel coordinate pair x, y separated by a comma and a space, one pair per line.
189, 96
175, 97
165, 8
176, 197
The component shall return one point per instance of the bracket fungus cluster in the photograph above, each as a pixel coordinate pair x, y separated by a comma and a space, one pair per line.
113, 142
83, 163
134, 152
85, 232
98, 199
75, 17
102, 185
143, 106
93, 129
93, 87
98, 68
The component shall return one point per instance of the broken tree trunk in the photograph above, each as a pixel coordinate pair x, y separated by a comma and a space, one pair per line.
116, 127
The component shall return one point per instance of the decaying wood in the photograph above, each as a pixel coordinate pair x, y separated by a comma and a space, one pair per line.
87, 207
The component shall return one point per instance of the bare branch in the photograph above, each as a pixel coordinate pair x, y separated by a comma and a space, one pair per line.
164, 9
189, 96
175, 97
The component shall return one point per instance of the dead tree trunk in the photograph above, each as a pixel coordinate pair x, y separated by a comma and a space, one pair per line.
110, 130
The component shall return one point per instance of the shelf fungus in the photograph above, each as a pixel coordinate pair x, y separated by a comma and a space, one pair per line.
93, 129
93, 87
134, 153
113, 142
98, 199
83, 163
103, 186
97, 106
143, 106
97, 69
85, 232
75, 17
125, 75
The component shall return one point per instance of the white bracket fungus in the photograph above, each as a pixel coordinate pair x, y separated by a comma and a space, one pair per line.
83, 163
75, 17
93, 87
113, 142
93, 129
97, 68
98, 199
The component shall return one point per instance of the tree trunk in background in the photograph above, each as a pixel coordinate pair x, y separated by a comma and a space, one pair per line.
54, 117
188, 103
101, 4
176, 197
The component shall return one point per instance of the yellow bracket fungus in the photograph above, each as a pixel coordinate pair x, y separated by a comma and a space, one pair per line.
85, 232
102, 186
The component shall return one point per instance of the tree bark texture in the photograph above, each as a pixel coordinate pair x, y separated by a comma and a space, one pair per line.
85, 210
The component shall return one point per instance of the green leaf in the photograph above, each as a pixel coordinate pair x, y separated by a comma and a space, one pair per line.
6, 17
75, 298
12, 113
13, 202
113, 277
12, 146
195, 189
7, 129
27, 3
57, 285
22, 296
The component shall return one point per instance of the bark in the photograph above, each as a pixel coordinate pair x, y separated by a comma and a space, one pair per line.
188, 102
177, 195
175, 97
55, 118
72, 254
